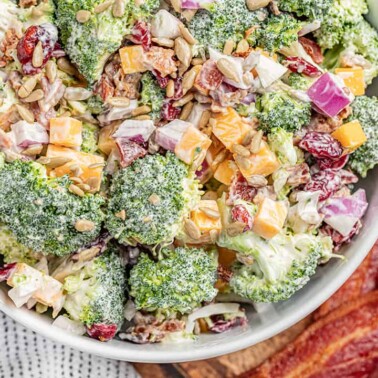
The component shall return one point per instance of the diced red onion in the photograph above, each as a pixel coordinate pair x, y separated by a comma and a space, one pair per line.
249, 99
196, 4
165, 25
269, 71
169, 135
135, 130
309, 28
27, 134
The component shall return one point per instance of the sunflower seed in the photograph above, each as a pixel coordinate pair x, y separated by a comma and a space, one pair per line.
25, 113
83, 16
187, 35
76, 180
176, 5
94, 182
188, 14
242, 47
84, 187
165, 42
65, 66
119, 8
77, 94
144, 117
257, 181
189, 79
184, 100
154, 199
51, 71
27, 87
211, 213
96, 165
227, 69
229, 47
37, 59
210, 195
214, 234
33, 150
197, 61
186, 110
76, 169
170, 90
247, 139
144, 109
76, 190
53, 162
103, 6
86, 254
242, 162
119, 102
35, 96
192, 230
220, 158
147, 219
256, 142
257, 4
183, 51
121, 215
240, 150
205, 118
235, 228
84, 225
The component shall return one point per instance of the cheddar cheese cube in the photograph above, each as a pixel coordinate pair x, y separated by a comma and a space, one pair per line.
87, 167
192, 146
229, 128
270, 218
226, 172
105, 141
353, 78
350, 135
66, 131
263, 163
202, 220
133, 59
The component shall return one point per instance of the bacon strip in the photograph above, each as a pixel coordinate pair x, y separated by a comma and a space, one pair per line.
363, 280
340, 345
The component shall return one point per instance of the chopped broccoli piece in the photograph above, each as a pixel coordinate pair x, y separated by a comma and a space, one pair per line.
12, 251
281, 266
96, 293
365, 109
152, 95
278, 32
338, 22
95, 105
312, 9
149, 222
226, 19
179, 282
42, 213
299, 82
90, 44
281, 142
90, 138
278, 109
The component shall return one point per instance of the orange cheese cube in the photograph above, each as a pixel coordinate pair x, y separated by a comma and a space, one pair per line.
353, 78
66, 131
270, 218
133, 59
229, 128
192, 146
263, 163
81, 160
225, 172
105, 141
204, 222
350, 135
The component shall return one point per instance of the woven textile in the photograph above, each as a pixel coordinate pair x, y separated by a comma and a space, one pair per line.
23, 353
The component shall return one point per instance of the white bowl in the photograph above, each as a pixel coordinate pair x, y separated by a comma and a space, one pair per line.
272, 320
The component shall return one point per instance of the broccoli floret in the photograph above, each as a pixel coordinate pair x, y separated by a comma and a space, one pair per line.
281, 142
339, 21
96, 293
90, 138
312, 9
42, 212
38, 14
95, 105
278, 32
299, 82
226, 19
281, 266
365, 110
155, 193
152, 95
12, 251
179, 282
90, 44
278, 109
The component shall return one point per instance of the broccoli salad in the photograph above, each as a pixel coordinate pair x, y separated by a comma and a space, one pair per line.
164, 164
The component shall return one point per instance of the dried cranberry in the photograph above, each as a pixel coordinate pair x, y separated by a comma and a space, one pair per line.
221, 325
321, 145
129, 151
240, 189
6, 271
301, 66
179, 92
337, 238
102, 332
141, 34
47, 34
169, 112
240, 214
312, 49
328, 182
333, 164
162, 81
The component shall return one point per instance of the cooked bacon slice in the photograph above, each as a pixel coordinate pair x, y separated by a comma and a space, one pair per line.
363, 280
342, 344
129, 151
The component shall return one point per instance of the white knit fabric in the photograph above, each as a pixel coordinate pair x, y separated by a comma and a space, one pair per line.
23, 353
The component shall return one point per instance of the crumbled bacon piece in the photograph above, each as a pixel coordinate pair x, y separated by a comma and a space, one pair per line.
104, 88
224, 273
312, 49
161, 60
129, 151
27, 3
8, 47
102, 332
209, 78
240, 189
